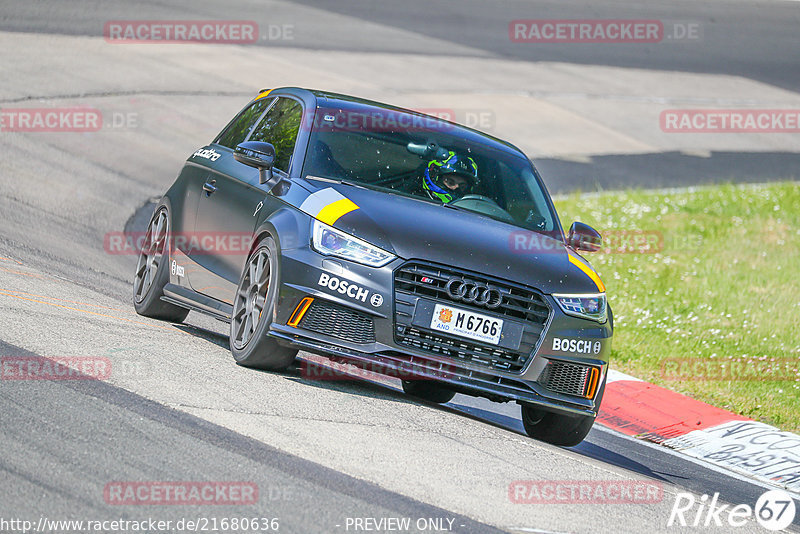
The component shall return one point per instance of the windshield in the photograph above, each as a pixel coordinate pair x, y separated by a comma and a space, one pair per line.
428, 159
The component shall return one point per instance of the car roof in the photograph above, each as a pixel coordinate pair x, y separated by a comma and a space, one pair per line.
327, 98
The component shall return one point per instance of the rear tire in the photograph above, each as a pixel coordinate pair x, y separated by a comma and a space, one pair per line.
152, 272
428, 390
253, 312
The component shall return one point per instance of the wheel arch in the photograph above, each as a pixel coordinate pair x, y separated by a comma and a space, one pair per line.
163, 202
289, 228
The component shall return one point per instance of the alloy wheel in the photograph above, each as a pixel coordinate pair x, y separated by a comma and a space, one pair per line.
152, 254
251, 298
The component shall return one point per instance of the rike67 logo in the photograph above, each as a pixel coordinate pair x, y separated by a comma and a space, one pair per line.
774, 510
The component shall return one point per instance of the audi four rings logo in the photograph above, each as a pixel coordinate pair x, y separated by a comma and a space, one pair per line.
474, 293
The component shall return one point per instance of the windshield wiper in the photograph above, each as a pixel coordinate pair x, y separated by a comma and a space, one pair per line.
462, 208
336, 181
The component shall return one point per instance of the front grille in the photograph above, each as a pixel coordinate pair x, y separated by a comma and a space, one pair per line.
463, 350
519, 304
339, 322
563, 377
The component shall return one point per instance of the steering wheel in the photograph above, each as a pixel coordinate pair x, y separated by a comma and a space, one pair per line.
480, 198
484, 205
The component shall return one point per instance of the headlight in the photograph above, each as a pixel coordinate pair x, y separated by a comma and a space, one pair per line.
591, 306
332, 242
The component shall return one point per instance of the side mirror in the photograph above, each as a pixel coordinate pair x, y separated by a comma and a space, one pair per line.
259, 155
584, 237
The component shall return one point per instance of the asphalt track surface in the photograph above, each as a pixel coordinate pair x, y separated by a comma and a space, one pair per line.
756, 40
178, 409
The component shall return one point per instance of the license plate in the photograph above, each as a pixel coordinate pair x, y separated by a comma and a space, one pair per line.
466, 324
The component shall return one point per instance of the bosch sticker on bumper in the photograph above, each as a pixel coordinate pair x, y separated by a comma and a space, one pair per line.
349, 289
576, 346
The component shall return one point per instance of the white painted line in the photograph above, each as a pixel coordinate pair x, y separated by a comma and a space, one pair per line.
613, 375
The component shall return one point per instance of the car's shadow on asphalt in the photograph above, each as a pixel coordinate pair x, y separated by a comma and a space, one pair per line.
308, 373
591, 449
594, 446
313, 374
216, 338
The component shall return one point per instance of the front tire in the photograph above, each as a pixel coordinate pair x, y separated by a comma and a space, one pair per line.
555, 428
152, 273
253, 311
428, 390
558, 429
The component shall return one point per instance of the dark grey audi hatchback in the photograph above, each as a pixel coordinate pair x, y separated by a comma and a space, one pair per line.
391, 240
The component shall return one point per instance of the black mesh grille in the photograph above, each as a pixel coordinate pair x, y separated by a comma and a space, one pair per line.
339, 322
459, 349
428, 281
565, 377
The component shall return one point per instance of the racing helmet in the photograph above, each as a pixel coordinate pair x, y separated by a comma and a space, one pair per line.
450, 178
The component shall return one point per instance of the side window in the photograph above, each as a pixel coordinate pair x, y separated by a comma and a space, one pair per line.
526, 199
238, 130
279, 127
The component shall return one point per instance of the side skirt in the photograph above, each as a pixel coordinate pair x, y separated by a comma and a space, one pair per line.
192, 300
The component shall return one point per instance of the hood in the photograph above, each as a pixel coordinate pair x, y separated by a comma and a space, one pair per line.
415, 229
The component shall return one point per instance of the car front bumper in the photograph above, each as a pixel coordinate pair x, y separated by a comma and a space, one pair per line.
361, 315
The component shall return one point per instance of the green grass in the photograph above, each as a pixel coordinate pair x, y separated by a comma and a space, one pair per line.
723, 289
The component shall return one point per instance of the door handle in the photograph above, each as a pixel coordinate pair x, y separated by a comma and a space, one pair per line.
209, 186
